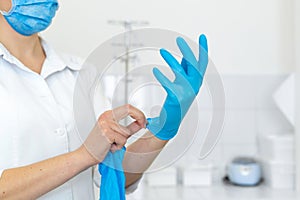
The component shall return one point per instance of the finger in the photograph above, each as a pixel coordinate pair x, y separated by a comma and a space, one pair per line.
203, 42
203, 54
114, 148
186, 51
191, 70
116, 138
171, 61
163, 80
134, 127
184, 65
167, 84
129, 110
120, 129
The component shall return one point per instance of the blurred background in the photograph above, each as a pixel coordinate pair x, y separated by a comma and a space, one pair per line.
255, 47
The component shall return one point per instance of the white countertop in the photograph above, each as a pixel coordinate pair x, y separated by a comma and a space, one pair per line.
215, 192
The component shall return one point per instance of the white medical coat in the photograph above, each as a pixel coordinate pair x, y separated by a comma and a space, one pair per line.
36, 117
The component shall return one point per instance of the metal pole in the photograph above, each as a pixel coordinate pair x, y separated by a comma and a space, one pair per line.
127, 44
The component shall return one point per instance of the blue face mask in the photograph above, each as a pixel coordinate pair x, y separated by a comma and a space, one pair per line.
28, 17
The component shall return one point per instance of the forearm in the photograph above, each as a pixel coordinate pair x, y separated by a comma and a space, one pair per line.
140, 155
33, 181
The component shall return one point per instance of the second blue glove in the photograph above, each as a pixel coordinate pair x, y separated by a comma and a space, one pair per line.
112, 176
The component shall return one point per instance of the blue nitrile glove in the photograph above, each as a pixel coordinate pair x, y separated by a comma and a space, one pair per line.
182, 91
112, 176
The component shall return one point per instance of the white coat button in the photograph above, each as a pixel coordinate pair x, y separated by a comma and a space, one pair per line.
60, 131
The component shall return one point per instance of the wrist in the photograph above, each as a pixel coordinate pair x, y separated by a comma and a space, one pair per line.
157, 143
166, 135
85, 156
161, 129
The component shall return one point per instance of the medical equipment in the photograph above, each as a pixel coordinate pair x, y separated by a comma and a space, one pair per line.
127, 44
244, 172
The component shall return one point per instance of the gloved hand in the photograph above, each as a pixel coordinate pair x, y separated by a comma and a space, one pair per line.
182, 91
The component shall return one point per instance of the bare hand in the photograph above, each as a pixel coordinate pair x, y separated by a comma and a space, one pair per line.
108, 134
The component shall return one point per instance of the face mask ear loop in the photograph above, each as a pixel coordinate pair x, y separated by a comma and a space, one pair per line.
13, 5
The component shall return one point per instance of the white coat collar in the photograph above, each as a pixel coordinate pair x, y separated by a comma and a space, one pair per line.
52, 64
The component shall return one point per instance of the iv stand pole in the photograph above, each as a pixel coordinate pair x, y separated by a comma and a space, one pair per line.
127, 44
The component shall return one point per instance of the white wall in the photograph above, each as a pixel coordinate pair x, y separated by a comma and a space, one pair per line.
244, 36
297, 60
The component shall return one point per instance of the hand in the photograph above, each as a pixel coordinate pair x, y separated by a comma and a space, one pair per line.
182, 91
109, 135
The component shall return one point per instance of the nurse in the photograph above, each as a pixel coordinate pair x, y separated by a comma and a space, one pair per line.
41, 154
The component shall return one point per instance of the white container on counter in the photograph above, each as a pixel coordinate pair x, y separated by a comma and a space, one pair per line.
279, 175
279, 148
166, 177
197, 175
